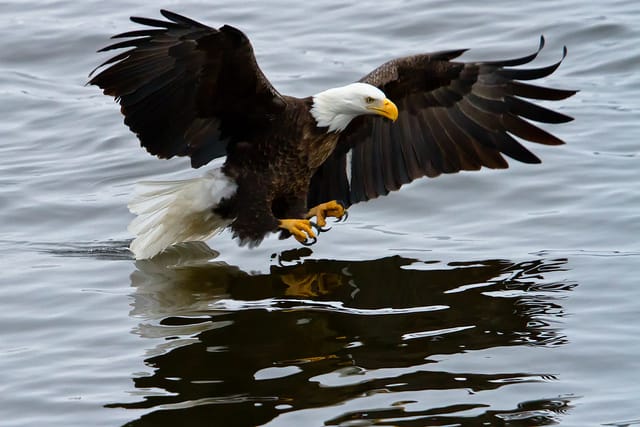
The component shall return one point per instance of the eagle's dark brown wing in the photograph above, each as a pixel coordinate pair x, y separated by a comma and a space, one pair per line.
453, 116
187, 89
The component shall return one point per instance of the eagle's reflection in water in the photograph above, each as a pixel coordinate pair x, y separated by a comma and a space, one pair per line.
246, 348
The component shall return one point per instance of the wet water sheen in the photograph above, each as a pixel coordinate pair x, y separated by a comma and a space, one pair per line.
486, 298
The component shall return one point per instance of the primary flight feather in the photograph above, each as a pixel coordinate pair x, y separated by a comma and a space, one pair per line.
186, 89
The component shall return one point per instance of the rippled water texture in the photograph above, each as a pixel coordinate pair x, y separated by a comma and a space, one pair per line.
487, 298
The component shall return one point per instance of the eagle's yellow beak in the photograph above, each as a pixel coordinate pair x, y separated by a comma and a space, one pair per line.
388, 110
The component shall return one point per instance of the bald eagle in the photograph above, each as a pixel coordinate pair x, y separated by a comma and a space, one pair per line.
186, 89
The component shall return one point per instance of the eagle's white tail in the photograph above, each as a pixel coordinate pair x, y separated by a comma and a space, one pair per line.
171, 212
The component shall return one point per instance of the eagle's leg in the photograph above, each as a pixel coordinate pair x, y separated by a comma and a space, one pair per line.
333, 209
301, 229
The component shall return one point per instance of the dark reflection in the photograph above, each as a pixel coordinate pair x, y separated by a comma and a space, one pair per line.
245, 348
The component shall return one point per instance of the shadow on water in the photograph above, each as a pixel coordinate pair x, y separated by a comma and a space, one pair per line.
245, 348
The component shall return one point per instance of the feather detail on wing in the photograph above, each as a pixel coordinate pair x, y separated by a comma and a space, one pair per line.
453, 116
187, 89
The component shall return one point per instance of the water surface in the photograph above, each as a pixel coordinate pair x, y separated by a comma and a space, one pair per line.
487, 298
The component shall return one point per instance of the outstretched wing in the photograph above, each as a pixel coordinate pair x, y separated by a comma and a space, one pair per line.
187, 89
453, 116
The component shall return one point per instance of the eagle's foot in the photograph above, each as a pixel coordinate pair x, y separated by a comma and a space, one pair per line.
333, 209
301, 229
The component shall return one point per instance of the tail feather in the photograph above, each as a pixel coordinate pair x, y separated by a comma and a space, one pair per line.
148, 202
171, 212
146, 221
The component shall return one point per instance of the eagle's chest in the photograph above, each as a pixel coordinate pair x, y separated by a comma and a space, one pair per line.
295, 160
300, 142
294, 150
316, 147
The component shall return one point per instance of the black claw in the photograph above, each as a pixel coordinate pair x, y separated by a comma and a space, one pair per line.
309, 243
343, 217
318, 228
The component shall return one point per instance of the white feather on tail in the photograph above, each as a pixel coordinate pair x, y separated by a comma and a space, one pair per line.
171, 212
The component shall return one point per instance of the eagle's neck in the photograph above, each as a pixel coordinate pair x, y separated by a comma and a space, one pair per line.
330, 110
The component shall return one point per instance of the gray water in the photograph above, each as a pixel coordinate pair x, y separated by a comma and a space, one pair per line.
485, 298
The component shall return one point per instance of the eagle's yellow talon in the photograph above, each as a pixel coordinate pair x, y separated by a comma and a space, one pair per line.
299, 228
329, 209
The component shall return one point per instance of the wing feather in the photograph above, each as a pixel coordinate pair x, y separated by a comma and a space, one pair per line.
187, 89
534, 112
453, 116
150, 22
526, 90
409, 168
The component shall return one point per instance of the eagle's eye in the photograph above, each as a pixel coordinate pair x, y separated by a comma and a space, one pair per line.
369, 100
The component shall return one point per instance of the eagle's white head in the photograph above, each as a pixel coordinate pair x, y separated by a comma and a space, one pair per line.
335, 108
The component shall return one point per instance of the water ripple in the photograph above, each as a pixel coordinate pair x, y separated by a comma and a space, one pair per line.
275, 304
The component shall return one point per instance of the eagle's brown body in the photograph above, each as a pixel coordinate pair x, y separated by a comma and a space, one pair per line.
187, 89
274, 170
